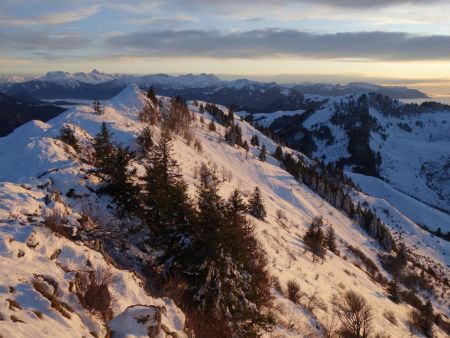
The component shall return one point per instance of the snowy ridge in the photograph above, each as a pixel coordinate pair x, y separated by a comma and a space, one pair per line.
34, 159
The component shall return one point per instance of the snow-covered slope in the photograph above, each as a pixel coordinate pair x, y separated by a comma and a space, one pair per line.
35, 165
413, 146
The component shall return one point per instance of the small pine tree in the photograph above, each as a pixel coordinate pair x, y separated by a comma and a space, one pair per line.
67, 135
254, 141
144, 140
315, 240
256, 206
149, 114
166, 206
152, 95
246, 148
393, 290
97, 106
211, 126
330, 238
279, 153
119, 183
104, 150
262, 154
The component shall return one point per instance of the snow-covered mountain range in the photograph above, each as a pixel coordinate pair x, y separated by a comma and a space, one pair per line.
40, 175
240, 92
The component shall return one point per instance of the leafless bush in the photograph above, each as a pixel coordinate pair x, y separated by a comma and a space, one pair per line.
354, 313
188, 136
198, 146
389, 315
281, 215
57, 223
313, 302
92, 290
293, 291
276, 284
329, 326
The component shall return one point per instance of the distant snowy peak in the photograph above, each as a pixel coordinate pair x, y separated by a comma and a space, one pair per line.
160, 80
250, 85
94, 77
175, 82
13, 78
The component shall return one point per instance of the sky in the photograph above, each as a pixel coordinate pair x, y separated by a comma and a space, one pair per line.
392, 42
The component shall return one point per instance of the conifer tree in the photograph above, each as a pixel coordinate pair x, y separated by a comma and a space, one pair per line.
165, 201
262, 154
226, 274
246, 148
256, 206
279, 153
118, 178
211, 126
152, 95
330, 238
178, 117
144, 140
393, 290
236, 210
254, 141
67, 135
104, 150
315, 240
149, 114
427, 318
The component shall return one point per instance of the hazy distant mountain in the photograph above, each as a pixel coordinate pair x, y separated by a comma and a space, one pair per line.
15, 112
324, 89
242, 93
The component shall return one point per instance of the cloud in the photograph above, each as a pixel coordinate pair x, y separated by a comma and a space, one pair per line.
163, 21
34, 41
273, 43
57, 18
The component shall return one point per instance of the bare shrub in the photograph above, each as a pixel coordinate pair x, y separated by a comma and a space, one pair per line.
329, 326
188, 136
313, 302
422, 319
13, 304
354, 313
371, 267
198, 146
389, 315
57, 223
275, 281
92, 290
293, 291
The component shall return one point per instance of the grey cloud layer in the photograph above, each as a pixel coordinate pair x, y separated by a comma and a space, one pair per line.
331, 3
278, 43
30, 41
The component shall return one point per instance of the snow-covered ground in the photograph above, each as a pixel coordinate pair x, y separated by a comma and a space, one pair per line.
31, 158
